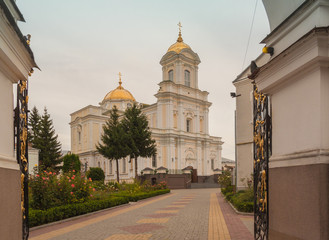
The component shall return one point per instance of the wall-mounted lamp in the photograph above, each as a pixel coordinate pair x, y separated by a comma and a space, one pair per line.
233, 95
269, 50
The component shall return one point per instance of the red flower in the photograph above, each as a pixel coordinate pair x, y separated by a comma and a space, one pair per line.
72, 185
71, 193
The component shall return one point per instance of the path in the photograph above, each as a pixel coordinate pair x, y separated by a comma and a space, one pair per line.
197, 214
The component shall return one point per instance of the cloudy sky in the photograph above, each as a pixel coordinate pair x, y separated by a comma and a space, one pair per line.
82, 45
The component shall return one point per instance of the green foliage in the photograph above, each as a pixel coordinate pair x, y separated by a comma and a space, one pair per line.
140, 142
114, 140
96, 174
71, 162
224, 179
49, 190
34, 125
243, 200
39, 217
43, 137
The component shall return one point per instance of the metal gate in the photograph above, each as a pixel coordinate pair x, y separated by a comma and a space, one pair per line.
20, 133
262, 152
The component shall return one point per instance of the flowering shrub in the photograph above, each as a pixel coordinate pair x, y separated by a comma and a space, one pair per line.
49, 189
161, 185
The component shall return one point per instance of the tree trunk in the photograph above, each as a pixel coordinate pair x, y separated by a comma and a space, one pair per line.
118, 178
136, 168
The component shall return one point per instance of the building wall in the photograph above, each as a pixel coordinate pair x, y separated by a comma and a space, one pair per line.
296, 79
16, 61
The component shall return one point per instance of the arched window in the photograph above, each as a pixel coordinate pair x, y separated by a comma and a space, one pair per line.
171, 75
188, 125
212, 164
187, 78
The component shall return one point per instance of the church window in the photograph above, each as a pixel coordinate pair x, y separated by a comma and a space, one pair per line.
187, 78
154, 161
188, 125
171, 75
99, 164
124, 165
110, 167
212, 164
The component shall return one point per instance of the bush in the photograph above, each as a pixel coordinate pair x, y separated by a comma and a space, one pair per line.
50, 190
243, 200
71, 162
96, 174
39, 217
226, 190
225, 178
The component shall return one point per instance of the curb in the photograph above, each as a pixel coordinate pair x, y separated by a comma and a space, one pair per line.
235, 210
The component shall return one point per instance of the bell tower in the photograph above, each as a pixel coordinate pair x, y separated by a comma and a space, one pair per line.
180, 64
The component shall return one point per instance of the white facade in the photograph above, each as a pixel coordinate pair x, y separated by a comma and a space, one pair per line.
178, 121
16, 62
244, 124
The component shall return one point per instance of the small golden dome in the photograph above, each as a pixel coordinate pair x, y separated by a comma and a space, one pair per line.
179, 45
119, 93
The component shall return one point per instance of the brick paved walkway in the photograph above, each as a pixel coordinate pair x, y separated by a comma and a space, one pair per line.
183, 214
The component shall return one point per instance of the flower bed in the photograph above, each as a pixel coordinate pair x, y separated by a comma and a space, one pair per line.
55, 197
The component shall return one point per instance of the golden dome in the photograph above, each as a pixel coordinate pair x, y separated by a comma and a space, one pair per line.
119, 93
179, 45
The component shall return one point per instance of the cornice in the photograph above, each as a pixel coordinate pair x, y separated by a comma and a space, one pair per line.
308, 53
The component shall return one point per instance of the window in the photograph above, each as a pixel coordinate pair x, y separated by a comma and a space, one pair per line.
212, 164
187, 78
110, 167
188, 125
124, 165
171, 75
99, 164
154, 161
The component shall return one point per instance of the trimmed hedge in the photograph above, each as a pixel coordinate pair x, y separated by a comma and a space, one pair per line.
242, 200
142, 195
39, 217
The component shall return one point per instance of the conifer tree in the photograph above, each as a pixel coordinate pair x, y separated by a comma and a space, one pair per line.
140, 142
34, 125
71, 162
114, 140
46, 142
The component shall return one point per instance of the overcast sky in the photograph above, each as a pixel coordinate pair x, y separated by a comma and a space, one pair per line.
82, 45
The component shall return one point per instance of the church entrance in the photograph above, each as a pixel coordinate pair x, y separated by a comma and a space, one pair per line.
194, 175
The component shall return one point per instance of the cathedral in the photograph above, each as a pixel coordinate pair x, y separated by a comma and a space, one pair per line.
178, 121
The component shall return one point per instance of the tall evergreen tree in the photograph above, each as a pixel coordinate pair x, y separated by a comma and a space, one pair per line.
46, 142
140, 142
114, 140
34, 125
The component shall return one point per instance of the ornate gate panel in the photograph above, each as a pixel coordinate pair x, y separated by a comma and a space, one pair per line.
20, 131
262, 152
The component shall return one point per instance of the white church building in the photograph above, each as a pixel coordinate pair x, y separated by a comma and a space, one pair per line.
178, 121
